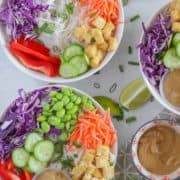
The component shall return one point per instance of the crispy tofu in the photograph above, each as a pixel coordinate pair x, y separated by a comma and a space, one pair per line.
99, 22
91, 51
88, 157
175, 14
103, 151
87, 177
78, 31
113, 44
103, 46
91, 169
79, 170
97, 173
95, 62
98, 36
108, 172
102, 161
108, 30
176, 27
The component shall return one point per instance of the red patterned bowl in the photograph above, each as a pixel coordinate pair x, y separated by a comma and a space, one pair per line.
134, 149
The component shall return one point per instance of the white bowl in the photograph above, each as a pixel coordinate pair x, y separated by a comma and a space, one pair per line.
40, 76
134, 149
152, 89
114, 148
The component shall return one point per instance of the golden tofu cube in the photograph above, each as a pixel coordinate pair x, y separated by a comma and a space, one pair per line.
88, 157
99, 22
98, 36
78, 32
108, 172
103, 151
113, 44
176, 27
91, 169
91, 51
97, 173
102, 161
88, 38
175, 14
108, 30
79, 170
95, 62
87, 177
103, 46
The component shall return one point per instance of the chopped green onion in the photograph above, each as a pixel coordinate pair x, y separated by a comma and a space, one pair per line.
97, 73
113, 88
63, 16
124, 108
134, 18
77, 145
70, 8
121, 68
133, 63
125, 2
129, 50
131, 119
97, 85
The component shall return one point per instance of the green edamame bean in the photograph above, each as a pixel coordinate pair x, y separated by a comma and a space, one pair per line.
73, 98
67, 126
41, 118
84, 99
54, 100
67, 91
45, 127
65, 100
78, 101
63, 136
60, 113
60, 126
46, 107
69, 105
66, 118
73, 110
58, 106
53, 93
46, 114
73, 122
53, 120
59, 96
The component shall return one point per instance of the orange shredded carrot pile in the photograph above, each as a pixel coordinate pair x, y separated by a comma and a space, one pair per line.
108, 9
93, 129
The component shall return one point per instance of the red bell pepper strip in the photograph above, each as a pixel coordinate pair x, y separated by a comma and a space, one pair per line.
27, 175
34, 45
7, 175
9, 165
17, 46
34, 63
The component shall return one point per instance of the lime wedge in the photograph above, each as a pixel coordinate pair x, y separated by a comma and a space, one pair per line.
134, 95
106, 103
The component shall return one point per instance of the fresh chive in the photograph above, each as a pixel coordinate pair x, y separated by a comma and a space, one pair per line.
63, 16
133, 63
129, 50
131, 119
125, 2
97, 73
97, 85
70, 8
121, 68
134, 18
113, 88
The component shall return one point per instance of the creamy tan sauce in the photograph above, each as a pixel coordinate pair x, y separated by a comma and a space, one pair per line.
159, 150
52, 175
172, 87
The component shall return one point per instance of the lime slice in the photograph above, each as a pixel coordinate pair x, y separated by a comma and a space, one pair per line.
135, 95
106, 103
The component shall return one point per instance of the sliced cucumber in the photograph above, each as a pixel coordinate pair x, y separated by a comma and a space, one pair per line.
68, 70
73, 50
44, 150
178, 49
171, 60
20, 157
31, 140
176, 39
106, 103
80, 63
35, 165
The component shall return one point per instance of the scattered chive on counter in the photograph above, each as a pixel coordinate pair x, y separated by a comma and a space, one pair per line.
134, 18
131, 119
121, 68
125, 2
129, 50
134, 63
113, 88
96, 85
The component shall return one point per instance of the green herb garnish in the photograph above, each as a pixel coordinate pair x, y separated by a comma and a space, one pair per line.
133, 63
134, 18
113, 88
98, 72
67, 163
97, 85
64, 16
125, 2
77, 145
46, 27
129, 50
121, 68
125, 109
131, 119
70, 8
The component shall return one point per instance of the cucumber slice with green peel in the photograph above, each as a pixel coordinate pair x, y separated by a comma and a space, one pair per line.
106, 103
178, 49
31, 140
80, 63
68, 70
176, 39
44, 150
35, 165
171, 60
72, 50
20, 157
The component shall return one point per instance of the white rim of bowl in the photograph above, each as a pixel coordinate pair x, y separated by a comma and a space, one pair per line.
114, 148
152, 89
42, 77
134, 147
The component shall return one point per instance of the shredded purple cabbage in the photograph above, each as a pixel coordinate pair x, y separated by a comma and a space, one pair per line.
20, 119
20, 16
155, 42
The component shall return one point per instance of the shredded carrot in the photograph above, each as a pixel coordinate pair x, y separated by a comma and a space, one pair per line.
93, 129
108, 9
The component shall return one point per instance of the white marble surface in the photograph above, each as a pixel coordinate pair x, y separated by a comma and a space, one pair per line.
12, 79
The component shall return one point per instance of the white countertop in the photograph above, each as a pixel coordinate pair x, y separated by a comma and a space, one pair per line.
12, 79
